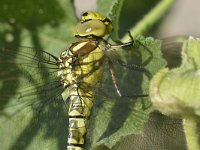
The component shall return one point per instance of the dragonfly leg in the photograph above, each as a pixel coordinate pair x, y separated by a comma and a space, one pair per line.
121, 45
112, 72
131, 44
116, 56
124, 44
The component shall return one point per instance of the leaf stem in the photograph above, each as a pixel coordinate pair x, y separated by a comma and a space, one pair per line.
191, 133
154, 15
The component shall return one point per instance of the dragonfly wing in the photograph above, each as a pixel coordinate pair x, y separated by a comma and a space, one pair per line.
112, 113
32, 112
116, 117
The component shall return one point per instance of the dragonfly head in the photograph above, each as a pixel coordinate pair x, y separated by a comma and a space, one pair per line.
93, 24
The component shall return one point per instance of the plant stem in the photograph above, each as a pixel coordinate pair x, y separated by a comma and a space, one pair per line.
191, 133
154, 15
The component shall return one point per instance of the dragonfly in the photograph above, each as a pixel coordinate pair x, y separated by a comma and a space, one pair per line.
51, 84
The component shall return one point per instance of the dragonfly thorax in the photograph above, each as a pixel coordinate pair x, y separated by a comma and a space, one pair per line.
81, 60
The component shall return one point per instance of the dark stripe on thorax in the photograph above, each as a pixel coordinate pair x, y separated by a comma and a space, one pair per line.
77, 145
76, 116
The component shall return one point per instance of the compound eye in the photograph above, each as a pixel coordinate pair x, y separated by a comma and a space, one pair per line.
85, 14
91, 27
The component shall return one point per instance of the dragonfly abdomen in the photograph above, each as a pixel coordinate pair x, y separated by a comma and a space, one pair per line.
79, 112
